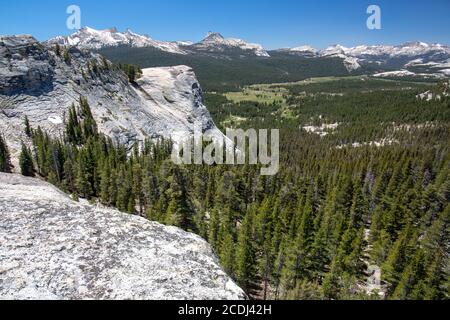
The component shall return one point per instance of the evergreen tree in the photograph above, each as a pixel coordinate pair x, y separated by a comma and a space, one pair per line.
227, 254
5, 161
105, 183
27, 127
178, 211
58, 50
67, 57
26, 162
246, 255
83, 187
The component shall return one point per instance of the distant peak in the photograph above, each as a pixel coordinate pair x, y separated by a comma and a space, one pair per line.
415, 44
304, 48
213, 36
338, 46
85, 29
92, 30
129, 31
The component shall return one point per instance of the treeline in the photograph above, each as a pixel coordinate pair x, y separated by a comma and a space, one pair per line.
309, 232
231, 71
133, 72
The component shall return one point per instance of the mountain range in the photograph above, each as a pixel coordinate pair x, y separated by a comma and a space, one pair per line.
88, 38
224, 64
433, 59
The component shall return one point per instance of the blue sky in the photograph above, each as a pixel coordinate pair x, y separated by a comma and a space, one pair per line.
273, 23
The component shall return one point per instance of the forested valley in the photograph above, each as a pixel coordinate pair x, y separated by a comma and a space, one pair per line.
359, 210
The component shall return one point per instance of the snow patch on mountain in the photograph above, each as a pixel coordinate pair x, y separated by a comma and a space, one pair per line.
333, 51
410, 49
216, 42
407, 55
337, 51
407, 73
88, 38
304, 50
399, 73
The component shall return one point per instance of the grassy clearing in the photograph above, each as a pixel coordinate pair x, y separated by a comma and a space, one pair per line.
233, 121
260, 94
319, 80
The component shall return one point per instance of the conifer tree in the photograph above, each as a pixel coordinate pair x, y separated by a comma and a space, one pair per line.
227, 254
105, 182
58, 50
245, 254
26, 162
67, 57
5, 161
178, 211
82, 179
69, 175
27, 127
137, 186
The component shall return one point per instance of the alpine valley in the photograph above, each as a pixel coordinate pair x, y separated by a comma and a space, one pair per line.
93, 207
230, 63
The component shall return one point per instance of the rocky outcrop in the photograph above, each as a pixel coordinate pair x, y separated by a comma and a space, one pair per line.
54, 248
41, 82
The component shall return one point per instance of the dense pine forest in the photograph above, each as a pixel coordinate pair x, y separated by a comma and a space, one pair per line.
359, 210
232, 69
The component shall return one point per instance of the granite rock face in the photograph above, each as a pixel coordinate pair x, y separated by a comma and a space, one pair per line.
41, 83
54, 248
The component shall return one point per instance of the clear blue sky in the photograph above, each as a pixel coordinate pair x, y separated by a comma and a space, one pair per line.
273, 23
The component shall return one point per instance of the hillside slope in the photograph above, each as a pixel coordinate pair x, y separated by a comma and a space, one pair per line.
55, 248
42, 82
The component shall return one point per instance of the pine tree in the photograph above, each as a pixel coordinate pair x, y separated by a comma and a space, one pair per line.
297, 254
178, 211
105, 182
227, 254
264, 230
58, 50
396, 260
245, 254
67, 57
124, 192
5, 161
137, 186
28, 131
26, 162
410, 277
331, 285
112, 188
69, 175
82, 179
